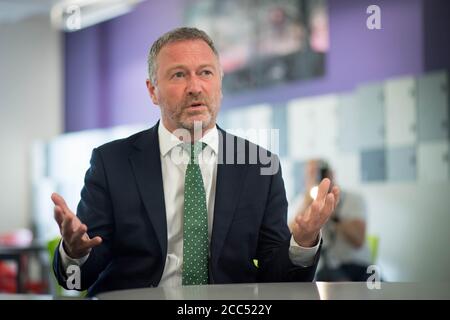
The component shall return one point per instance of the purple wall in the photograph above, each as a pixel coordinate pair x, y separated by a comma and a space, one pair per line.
106, 68
106, 64
83, 105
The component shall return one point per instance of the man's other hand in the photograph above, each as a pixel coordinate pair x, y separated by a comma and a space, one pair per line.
77, 243
306, 226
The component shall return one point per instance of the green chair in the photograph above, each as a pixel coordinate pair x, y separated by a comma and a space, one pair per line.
373, 242
51, 247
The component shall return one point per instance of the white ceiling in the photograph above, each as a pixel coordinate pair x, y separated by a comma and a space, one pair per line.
12, 11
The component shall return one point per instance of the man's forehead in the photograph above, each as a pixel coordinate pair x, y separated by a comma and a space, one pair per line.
185, 48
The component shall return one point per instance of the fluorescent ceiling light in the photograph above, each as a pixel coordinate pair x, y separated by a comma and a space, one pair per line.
73, 15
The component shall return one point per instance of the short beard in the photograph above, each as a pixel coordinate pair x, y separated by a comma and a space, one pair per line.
176, 117
189, 125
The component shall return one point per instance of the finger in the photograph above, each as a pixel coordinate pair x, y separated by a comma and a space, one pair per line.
315, 208
90, 243
310, 214
58, 215
64, 227
68, 227
59, 201
95, 242
321, 211
64, 220
329, 207
337, 195
324, 186
78, 234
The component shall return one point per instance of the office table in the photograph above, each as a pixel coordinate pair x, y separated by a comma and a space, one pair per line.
289, 291
17, 254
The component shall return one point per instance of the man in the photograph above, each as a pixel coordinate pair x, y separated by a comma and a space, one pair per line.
151, 214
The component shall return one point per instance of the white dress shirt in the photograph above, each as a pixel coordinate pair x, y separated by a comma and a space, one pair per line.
174, 160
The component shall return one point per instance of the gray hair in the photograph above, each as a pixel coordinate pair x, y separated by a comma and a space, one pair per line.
175, 35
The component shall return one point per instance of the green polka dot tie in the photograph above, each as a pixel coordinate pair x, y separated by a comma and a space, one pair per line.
195, 226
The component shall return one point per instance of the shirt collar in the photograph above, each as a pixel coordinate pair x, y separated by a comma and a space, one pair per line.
167, 141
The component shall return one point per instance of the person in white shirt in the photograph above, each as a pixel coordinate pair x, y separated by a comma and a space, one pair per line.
345, 254
133, 227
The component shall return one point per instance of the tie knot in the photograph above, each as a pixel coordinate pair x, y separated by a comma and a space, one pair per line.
194, 149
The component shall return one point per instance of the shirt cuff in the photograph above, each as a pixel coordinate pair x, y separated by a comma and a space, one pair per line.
67, 261
302, 256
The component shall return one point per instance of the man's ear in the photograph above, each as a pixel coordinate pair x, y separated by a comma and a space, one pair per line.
152, 91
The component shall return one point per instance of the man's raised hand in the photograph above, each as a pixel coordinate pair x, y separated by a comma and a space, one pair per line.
306, 226
77, 243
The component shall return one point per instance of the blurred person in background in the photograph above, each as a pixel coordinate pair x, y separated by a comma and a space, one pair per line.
345, 254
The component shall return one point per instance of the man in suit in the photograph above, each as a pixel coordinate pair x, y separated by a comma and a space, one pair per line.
156, 212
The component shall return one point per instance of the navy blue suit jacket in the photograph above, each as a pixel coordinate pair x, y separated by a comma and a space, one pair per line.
122, 201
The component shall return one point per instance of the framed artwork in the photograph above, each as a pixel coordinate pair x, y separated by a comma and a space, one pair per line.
264, 42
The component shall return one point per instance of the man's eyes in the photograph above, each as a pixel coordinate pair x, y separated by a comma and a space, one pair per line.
182, 74
178, 74
206, 72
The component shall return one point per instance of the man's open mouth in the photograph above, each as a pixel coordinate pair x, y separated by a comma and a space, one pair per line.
197, 104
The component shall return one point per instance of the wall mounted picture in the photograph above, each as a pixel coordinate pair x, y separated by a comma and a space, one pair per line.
262, 42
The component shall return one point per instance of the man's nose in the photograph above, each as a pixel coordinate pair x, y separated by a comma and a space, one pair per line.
194, 86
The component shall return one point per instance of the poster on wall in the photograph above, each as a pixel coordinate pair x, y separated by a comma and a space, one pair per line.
264, 42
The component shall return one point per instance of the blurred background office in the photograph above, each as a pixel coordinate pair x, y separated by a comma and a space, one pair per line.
363, 85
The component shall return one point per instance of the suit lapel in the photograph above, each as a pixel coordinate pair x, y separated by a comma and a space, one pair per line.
228, 188
146, 164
